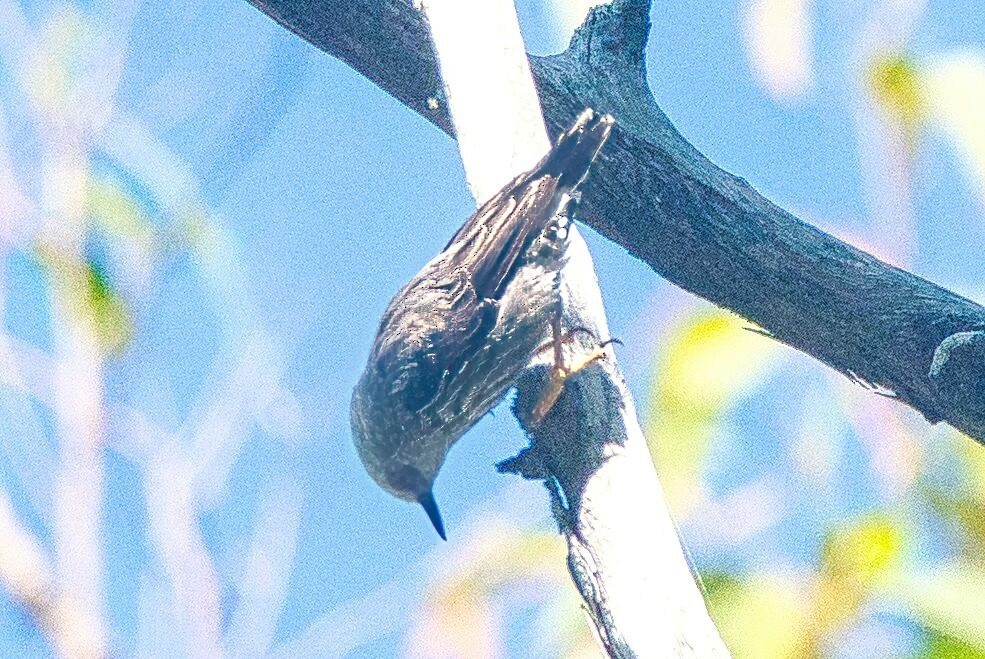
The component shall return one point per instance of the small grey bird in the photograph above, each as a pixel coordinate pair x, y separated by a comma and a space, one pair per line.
455, 338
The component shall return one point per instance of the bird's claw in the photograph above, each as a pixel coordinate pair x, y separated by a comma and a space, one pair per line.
560, 372
555, 386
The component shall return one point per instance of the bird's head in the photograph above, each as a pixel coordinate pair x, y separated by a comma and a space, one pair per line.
407, 475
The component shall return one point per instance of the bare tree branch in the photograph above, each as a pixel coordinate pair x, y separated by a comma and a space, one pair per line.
695, 224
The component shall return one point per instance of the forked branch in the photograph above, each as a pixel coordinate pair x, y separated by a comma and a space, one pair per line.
693, 223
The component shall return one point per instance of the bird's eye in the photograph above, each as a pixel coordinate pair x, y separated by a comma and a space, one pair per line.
407, 479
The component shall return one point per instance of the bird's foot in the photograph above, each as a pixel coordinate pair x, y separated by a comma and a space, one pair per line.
560, 372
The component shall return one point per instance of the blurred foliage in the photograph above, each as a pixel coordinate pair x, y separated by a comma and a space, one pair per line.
498, 573
962, 501
742, 605
54, 73
118, 213
946, 92
954, 87
941, 646
895, 83
709, 361
856, 558
947, 600
778, 40
87, 292
106, 308
98, 199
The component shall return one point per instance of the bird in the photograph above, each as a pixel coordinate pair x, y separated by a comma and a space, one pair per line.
455, 338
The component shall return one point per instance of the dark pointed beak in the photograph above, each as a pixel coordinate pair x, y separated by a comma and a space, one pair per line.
431, 508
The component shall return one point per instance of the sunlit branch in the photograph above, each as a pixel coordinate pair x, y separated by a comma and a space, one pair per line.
78, 380
80, 475
623, 551
227, 413
64, 618
179, 472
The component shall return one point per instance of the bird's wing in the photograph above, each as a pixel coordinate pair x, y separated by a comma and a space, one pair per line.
492, 241
479, 262
489, 246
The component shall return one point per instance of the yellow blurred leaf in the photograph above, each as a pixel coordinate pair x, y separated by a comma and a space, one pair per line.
895, 83
864, 550
856, 559
118, 213
761, 617
53, 71
707, 363
956, 97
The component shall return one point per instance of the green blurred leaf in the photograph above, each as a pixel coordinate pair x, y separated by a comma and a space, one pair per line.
107, 309
704, 367
950, 600
88, 292
942, 646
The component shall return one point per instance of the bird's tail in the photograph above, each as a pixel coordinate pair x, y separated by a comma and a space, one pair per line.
572, 156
